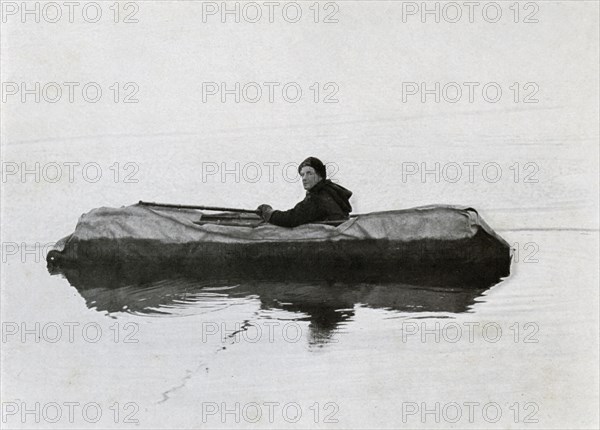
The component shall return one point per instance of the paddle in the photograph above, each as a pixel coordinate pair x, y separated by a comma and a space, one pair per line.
205, 208
225, 220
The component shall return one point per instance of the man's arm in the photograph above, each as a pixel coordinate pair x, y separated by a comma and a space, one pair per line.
307, 211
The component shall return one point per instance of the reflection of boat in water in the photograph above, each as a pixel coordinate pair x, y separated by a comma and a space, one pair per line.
166, 290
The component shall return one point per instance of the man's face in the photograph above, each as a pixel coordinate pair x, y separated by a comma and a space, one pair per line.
310, 178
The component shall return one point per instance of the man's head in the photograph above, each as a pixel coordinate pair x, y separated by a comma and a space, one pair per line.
312, 171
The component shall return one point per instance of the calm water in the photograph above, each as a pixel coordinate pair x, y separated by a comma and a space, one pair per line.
362, 352
179, 352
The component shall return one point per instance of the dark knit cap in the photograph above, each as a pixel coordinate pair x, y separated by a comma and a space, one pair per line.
316, 164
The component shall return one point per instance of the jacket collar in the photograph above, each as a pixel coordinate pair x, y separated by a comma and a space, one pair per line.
317, 186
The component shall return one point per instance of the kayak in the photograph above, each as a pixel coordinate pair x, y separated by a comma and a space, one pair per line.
445, 244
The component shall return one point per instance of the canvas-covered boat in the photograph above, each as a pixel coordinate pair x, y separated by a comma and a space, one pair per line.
442, 242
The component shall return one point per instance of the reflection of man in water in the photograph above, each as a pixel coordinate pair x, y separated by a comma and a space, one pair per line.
324, 201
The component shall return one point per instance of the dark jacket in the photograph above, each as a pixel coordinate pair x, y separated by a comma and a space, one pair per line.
325, 201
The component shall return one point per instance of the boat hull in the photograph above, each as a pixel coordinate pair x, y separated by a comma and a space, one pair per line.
361, 251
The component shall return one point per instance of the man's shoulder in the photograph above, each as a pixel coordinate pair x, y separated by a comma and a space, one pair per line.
321, 191
312, 198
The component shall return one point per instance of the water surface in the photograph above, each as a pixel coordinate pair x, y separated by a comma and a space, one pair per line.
362, 355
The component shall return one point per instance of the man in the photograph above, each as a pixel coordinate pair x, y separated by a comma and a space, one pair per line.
324, 201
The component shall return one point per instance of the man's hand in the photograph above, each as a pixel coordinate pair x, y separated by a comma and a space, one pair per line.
265, 211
